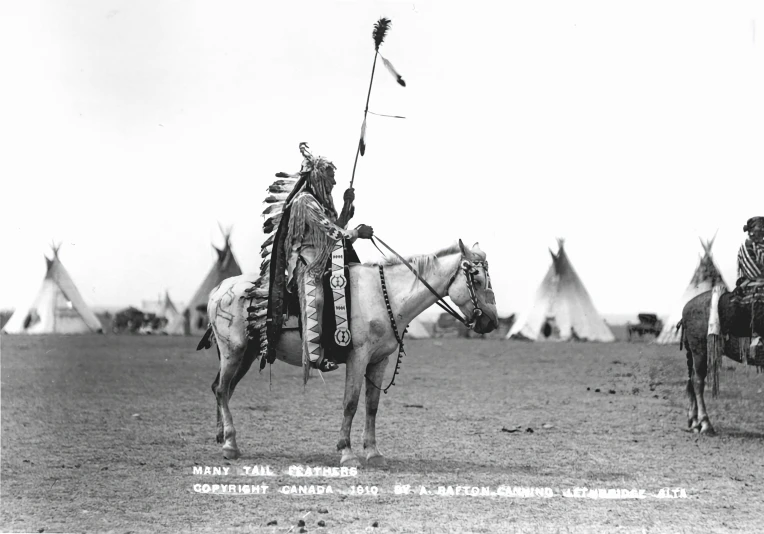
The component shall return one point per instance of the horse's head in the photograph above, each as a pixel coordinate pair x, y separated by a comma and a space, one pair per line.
471, 290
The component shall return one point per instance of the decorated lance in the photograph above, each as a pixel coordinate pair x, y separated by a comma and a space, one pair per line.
380, 30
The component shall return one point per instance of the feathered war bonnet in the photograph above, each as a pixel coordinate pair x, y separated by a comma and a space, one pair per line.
314, 172
752, 223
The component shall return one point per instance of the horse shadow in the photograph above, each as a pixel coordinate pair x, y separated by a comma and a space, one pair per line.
738, 433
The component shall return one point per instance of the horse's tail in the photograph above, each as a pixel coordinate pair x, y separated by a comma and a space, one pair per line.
207, 339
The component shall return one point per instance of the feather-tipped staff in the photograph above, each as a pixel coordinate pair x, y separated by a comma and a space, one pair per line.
379, 33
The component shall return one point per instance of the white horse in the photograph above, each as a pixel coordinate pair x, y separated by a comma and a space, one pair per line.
457, 272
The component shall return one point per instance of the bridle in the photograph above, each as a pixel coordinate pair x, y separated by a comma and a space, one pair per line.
469, 267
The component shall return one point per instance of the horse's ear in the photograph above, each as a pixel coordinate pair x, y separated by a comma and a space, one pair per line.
463, 249
477, 252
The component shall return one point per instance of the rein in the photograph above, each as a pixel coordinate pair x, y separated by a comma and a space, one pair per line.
469, 271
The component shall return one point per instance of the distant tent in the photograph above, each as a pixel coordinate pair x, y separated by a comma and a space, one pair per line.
419, 329
167, 309
162, 307
705, 277
563, 310
193, 320
164, 310
58, 307
169, 313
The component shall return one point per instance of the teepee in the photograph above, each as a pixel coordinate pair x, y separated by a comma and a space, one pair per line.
193, 320
58, 307
563, 309
167, 309
705, 277
163, 308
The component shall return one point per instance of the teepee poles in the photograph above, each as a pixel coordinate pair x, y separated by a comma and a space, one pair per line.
380, 30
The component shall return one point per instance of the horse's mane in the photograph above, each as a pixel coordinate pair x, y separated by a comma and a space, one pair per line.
423, 262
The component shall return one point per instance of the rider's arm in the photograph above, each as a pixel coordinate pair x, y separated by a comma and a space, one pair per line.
347, 213
316, 214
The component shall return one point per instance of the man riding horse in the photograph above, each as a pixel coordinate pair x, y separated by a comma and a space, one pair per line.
313, 232
750, 262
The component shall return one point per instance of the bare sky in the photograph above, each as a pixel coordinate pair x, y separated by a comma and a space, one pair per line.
130, 128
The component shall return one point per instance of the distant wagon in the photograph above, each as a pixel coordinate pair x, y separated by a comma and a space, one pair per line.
648, 324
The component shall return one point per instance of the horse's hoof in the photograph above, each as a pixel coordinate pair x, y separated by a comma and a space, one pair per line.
231, 454
353, 461
708, 430
377, 461
219, 438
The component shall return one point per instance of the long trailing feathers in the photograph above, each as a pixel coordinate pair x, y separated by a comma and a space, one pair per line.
362, 142
276, 197
271, 223
394, 72
273, 209
279, 193
380, 30
280, 188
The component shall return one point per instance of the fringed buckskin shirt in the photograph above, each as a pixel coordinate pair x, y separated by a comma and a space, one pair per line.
312, 234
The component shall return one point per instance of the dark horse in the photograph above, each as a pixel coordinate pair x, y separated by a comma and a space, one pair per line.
702, 360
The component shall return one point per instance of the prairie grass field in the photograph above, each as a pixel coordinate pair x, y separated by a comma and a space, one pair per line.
101, 434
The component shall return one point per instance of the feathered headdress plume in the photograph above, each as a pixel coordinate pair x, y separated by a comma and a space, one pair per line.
381, 28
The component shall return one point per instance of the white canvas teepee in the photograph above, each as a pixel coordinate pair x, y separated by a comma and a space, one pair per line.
193, 320
167, 309
58, 307
706, 276
163, 307
563, 309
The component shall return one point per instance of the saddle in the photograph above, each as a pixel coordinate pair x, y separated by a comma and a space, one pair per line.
748, 292
291, 320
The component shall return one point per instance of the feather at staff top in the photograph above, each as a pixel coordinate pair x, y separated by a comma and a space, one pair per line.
380, 30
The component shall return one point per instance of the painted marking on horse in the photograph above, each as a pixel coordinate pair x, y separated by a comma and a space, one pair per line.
223, 306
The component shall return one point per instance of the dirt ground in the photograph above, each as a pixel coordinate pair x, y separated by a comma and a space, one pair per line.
101, 433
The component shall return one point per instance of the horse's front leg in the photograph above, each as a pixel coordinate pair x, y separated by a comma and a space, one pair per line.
692, 411
703, 423
353, 381
700, 372
375, 373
